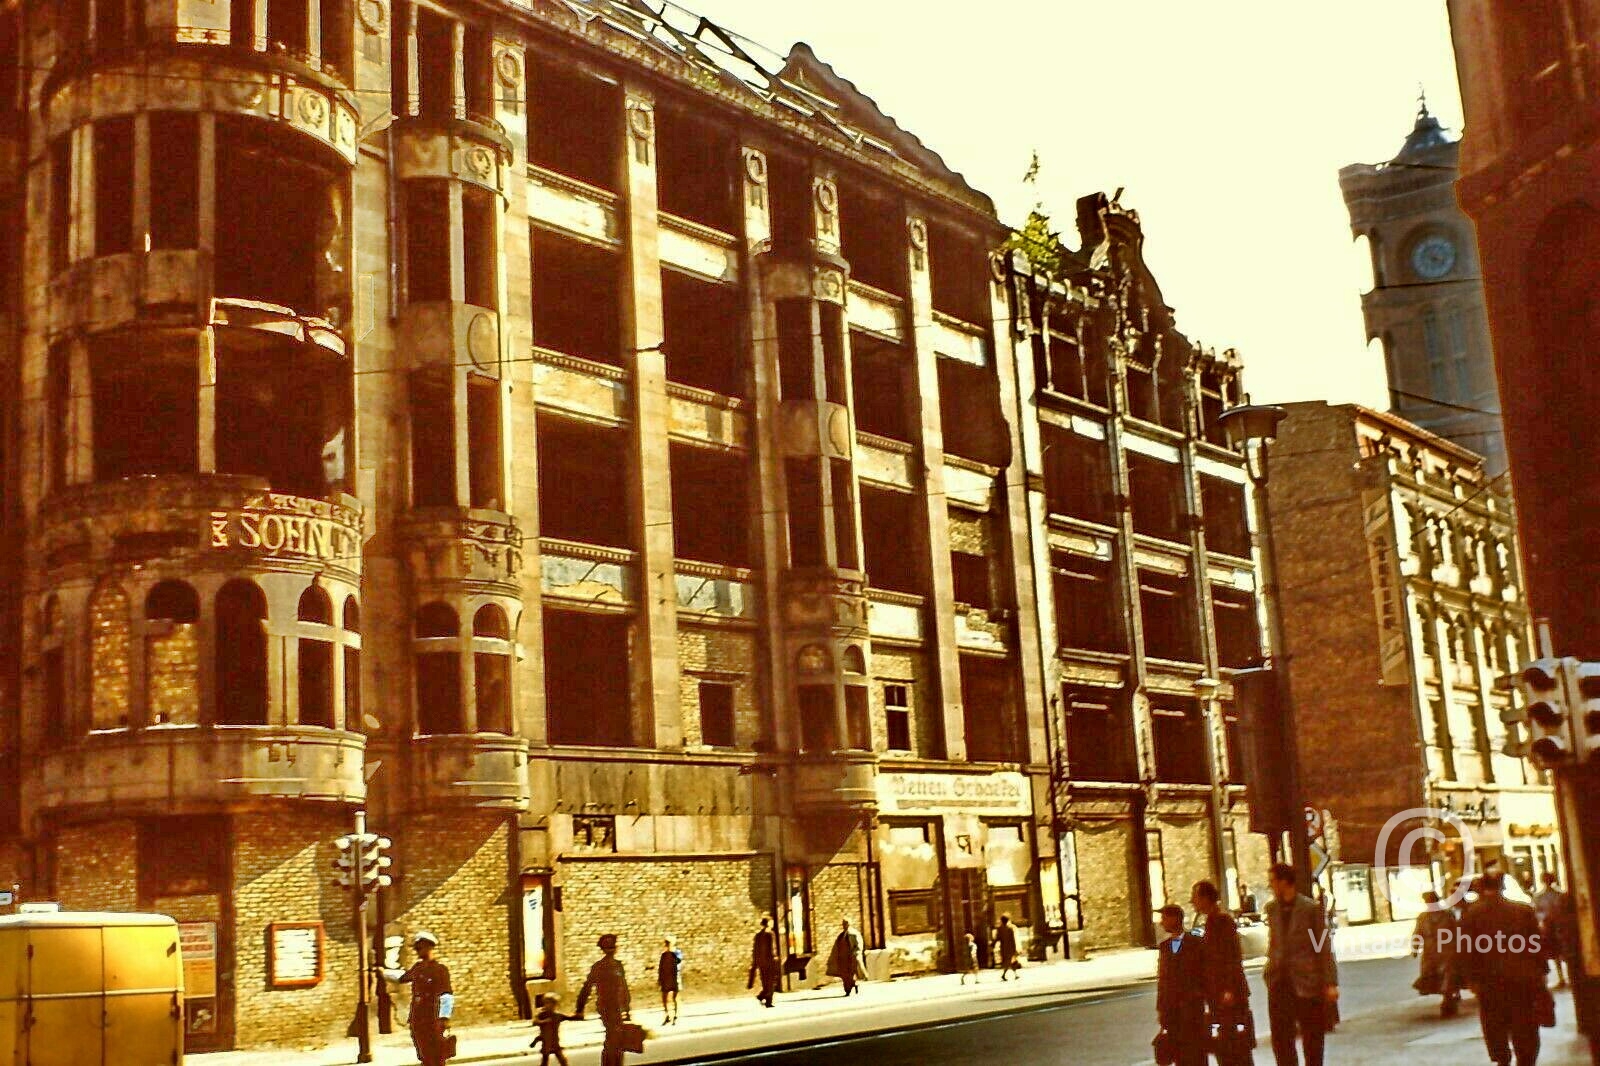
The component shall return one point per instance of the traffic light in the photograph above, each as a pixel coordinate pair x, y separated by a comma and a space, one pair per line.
1584, 687
361, 861
1551, 740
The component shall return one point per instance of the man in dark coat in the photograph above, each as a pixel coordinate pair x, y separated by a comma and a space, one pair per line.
844, 961
1499, 953
608, 983
1180, 994
1222, 970
764, 963
1301, 977
432, 1000
1005, 939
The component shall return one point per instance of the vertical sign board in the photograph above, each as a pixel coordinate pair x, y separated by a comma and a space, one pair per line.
1383, 557
537, 959
197, 942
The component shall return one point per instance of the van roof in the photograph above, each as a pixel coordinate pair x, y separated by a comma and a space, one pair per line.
80, 919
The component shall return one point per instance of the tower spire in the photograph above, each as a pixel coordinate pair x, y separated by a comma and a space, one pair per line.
1422, 102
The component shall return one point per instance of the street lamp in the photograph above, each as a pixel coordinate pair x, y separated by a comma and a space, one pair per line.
1249, 428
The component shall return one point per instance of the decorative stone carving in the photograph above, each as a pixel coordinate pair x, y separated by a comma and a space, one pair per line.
755, 172
813, 659
483, 342
828, 284
641, 127
374, 15
508, 68
917, 234
826, 195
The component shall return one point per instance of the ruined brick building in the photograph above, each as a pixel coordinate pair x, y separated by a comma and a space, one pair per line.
615, 458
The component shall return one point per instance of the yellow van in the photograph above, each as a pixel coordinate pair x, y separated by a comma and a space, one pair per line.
80, 989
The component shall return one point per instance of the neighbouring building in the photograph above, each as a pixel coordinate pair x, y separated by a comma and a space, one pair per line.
1426, 302
597, 449
1403, 603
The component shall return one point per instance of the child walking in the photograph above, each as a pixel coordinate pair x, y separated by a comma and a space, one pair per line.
549, 1022
969, 959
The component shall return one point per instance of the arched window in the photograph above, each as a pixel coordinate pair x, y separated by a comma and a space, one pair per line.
352, 666
316, 660
57, 727
110, 645
172, 654
241, 654
491, 664
438, 659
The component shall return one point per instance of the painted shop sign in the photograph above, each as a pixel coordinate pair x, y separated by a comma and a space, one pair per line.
279, 525
1004, 793
1383, 558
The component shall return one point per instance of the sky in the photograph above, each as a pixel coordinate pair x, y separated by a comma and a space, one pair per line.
1225, 122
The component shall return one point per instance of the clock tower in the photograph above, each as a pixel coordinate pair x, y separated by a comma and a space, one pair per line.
1426, 303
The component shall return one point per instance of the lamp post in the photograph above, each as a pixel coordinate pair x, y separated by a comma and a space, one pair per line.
1251, 428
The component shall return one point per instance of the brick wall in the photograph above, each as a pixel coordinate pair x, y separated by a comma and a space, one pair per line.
970, 532
718, 651
172, 665
1186, 854
97, 867
110, 646
835, 896
711, 907
897, 665
1106, 883
1253, 854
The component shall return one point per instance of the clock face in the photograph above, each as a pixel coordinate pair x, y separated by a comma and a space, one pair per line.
1433, 256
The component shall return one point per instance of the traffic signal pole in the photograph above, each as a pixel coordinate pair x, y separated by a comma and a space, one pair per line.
363, 1024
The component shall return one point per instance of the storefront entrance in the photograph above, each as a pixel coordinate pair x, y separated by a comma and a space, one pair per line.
969, 911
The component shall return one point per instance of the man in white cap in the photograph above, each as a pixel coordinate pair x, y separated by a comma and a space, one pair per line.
432, 1000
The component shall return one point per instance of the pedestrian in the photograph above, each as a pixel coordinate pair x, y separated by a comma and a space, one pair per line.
1502, 960
608, 984
1554, 909
548, 1020
1301, 978
1434, 939
1247, 900
1005, 939
1180, 995
669, 976
969, 958
432, 1001
844, 961
764, 963
1227, 993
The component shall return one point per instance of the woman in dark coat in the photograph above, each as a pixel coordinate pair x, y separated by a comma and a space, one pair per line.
844, 961
669, 976
1434, 938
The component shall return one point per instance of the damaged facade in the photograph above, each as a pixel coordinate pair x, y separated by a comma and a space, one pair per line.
618, 460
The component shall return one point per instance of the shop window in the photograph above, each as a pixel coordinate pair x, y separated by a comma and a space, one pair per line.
352, 666
710, 509
819, 723
893, 537
988, 701
477, 59
796, 353
789, 186
577, 299
1167, 607
913, 912
438, 665
174, 180
436, 64
1099, 732
337, 49
241, 654
316, 661
586, 670
583, 472
872, 236
1234, 615
484, 441
113, 186
969, 412
959, 267
716, 714
172, 654
427, 240
60, 203
844, 514
491, 663
110, 639
1226, 527
134, 386
1086, 602
480, 218
880, 373
1077, 476
858, 717
574, 123
433, 438
970, 576
897, 715
703, 339
804, 487
1156, 491
1179, 734
695, 174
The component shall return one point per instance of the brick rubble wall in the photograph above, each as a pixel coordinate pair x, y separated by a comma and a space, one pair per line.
1186, 854
1106, 883
712, 651
97, 867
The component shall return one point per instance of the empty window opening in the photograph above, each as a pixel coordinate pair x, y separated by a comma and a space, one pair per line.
1077, 476
1155, 489
993, 725
1167, 607
576, 299
113, 186
893, 532
897, 715
1172, 396
316, 683
436, 64
586, 659
242, 24
137, 383
174, 180
352, 668
789, 186
716, 714
1226, 527
583, 472
60, 202
969, 409
819, 718
433, 438
695, 175
710, 505
844, 514
1238, 639
241, 654
172, 654
703, 338
57, 727
797, 366
288, 26
438, 666
480, 216
872, 237
281, 234
1141, 393
279, 409
858, 717
477, 60
484, 439
803, 480
1099, 737
881, 384
1214, 399
1087, 614
1066, 363
491, 664
1179, 734
337, 47
58, 403
959, 268
118, 24
834, 363
970, 576
574, 123
181, 856
400, 100
11, 95
427, 240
